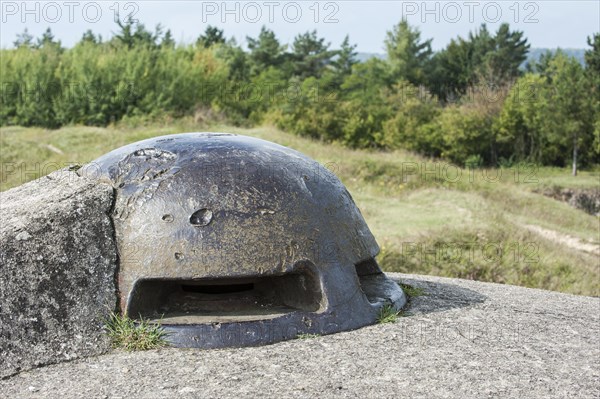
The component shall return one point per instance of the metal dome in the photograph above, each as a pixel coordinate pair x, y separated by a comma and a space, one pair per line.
237, 241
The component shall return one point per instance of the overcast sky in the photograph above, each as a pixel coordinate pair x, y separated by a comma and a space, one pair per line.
549, 24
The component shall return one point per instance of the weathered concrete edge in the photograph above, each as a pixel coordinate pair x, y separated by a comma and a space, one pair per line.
58, 264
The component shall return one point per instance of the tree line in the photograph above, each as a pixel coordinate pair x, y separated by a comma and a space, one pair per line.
471, 103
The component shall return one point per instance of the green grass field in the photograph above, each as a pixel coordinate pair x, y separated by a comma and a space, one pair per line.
428, 216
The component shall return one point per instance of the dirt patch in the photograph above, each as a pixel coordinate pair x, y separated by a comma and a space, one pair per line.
565, 239
587, 200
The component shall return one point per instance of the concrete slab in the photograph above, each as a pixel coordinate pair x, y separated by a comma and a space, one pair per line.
463, 339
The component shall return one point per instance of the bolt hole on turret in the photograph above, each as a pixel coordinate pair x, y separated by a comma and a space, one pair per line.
201, 217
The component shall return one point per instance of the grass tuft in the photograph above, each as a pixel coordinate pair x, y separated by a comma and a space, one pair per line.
387, 314
134, 335
412, 292
307, 336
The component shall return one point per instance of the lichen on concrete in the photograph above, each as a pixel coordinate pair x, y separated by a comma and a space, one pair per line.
58, 261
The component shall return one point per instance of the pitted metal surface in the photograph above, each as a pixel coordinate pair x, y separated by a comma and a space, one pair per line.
238, 241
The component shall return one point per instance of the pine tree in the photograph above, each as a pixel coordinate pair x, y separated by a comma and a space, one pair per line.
311, 55
24, 39
125, 36
133, 33
212, 35
568, 117
47, 39
540, 65
346, 57
265, 51
592, 71
592, 56
407, 54
481, 58
89, 37
501, 63
167, 40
